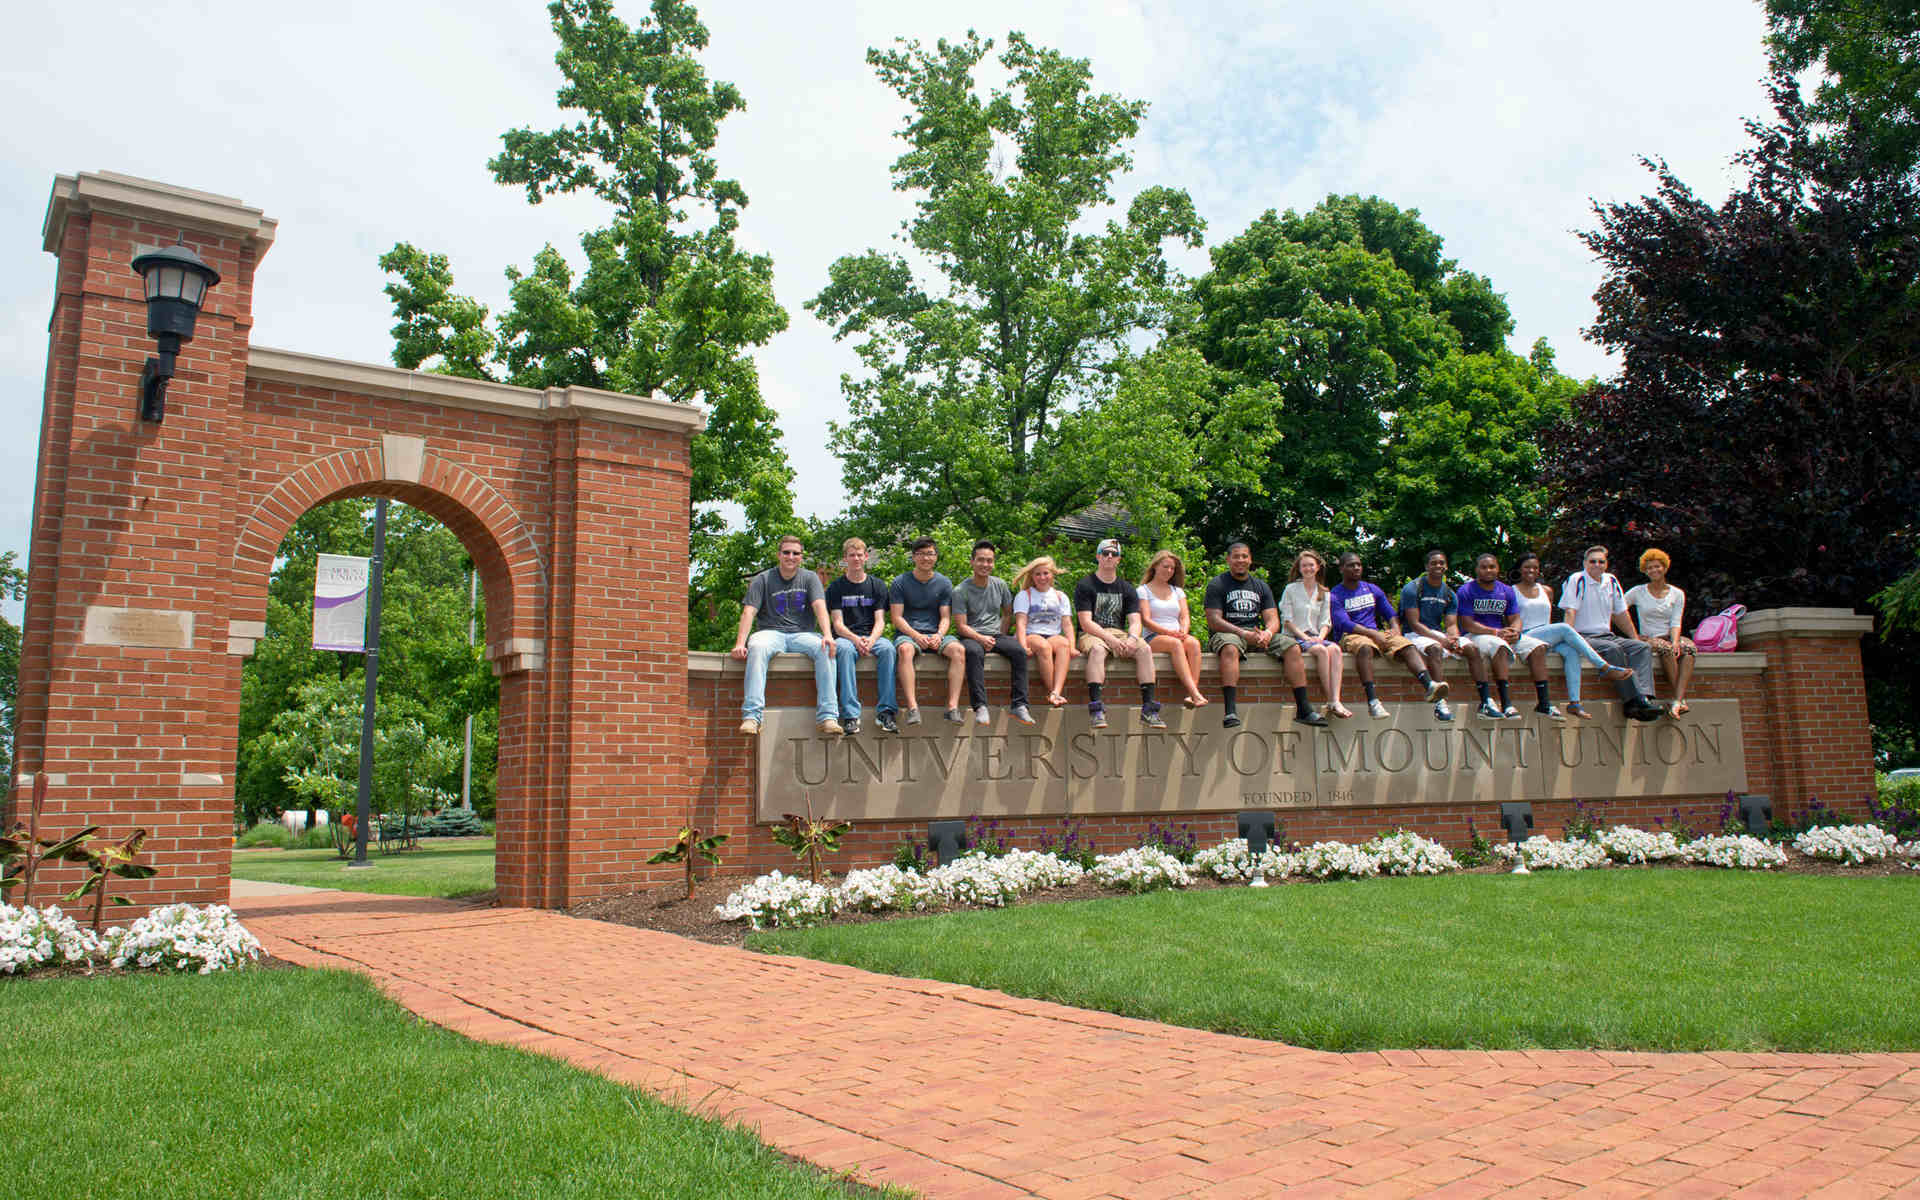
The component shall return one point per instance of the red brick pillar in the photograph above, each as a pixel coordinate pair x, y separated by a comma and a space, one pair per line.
1816, 704
128, 697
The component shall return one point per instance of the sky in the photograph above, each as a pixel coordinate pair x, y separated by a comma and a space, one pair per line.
360, 124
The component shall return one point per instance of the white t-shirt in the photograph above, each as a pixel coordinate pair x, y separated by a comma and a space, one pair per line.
1309, 616
1591, 606
1656, 616
1165, 613
1046, 611
1535, 612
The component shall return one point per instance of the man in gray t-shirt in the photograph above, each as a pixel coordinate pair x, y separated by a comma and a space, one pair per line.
982, 607
783, 602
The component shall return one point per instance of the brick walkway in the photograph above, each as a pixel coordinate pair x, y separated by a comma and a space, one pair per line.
957, 1092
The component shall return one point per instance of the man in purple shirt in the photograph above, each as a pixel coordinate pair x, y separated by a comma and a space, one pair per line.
1490, 618
1365, 623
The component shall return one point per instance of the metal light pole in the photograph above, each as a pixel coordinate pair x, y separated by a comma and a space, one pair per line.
374, 570
466, 768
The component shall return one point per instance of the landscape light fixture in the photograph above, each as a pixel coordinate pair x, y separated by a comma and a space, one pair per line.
1257, 828
1516, 817
1756, 812
947, 839
177, 282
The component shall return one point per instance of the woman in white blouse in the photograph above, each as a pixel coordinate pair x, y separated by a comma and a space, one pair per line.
1305, 614
1657, 608
1042, 615
1165, 620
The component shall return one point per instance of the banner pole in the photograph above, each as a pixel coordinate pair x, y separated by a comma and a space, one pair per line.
375, 570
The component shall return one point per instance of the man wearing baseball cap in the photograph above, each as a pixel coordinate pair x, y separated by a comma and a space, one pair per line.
1107, 611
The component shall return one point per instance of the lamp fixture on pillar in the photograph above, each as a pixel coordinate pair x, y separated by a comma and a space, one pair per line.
947, 839
177, 282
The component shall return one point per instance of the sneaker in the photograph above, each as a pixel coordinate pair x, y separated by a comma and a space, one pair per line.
1308, 716
1437, 690
954, 717
830, 728
750, 727
1643, 711
1097, 716
886, 723
1441, 712
1549, 712
1489, 711
1377, 710
1022, 714
1152, 718
1510, 713
1230, 720
913, 715
981, 716
852, 726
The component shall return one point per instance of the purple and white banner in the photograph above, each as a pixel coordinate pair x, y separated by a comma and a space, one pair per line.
340, 603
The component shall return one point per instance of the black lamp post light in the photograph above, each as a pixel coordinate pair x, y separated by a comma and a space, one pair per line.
177, 283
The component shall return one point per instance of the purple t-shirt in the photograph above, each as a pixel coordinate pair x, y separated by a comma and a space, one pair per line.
1491, 606
1362, 607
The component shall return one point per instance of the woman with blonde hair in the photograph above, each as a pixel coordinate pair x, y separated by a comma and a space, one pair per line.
1657, 608
1042, 614
1305, 616
1166, 619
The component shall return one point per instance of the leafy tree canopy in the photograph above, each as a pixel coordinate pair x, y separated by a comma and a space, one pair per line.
667, 302
1869, 54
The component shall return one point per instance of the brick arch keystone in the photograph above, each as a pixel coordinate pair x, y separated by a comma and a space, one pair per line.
512, 570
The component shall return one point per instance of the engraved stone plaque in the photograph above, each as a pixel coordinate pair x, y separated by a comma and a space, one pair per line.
155, 628
1062, 766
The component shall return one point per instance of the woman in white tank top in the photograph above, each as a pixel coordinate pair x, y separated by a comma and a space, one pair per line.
1165, 619
1305, 615
1536, 621
1041, 613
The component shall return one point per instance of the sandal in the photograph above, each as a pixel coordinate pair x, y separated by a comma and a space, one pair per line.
1195, 701
1056, 699
1574, 709
1680, 708
1618, 673
1341, 711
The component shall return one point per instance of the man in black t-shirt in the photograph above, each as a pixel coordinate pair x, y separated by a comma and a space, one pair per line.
1242, 617
857, 606
1107, 610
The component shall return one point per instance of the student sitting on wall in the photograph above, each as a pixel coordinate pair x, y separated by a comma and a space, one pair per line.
921, 604
780, 600
1242, 616
857, 603
1490, 617
1042, 616
1165, 620
982, 611
1108, 611
1658, 607
1596, 606
1536, 621
1307, 618
1429, 616
1367, 625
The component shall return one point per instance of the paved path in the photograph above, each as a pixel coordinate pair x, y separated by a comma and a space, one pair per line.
962, 1093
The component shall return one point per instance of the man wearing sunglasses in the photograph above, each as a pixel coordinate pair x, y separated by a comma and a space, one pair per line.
1107, 610
782, 601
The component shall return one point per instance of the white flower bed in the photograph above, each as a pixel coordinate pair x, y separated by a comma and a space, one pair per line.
1855, 844
1142, 869
778, 901
1335, 860
1232, 860
1908, 849
39, 937
884, 889
1741, 853
1544, 854
1625, 844
181, 937
1407, 853
997, 882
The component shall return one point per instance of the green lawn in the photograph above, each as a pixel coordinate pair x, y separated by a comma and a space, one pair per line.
440, 867
1657, 960
281, 1084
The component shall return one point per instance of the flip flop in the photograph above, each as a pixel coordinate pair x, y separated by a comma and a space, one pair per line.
1618, 673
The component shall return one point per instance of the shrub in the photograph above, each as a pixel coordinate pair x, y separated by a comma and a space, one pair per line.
778, 901
1142, 869
1625, 844
1405, 853
1854, 844
180, 937
1895, 806
40, 937
886, 889
1337, 860
1739, 852
457, 822
265, 833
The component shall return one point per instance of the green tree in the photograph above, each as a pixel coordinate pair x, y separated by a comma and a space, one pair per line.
1354, 323
13, 586
1868, 97
1005, 388
667, 303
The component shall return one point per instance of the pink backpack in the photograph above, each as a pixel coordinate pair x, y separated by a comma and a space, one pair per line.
1720, 632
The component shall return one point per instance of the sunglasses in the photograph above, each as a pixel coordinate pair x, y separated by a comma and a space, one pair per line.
1109, 554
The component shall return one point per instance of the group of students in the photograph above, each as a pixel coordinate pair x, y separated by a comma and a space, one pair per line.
1036, 627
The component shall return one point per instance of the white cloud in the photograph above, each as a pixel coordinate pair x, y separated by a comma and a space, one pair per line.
367, 123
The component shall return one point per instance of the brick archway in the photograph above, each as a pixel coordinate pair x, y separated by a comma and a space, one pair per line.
152, 545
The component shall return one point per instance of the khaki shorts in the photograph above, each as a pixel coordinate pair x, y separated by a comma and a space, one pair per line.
1088, 641
1354, 643
1278, 647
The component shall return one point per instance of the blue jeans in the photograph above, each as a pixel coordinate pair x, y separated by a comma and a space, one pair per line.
845, 657
1573, 650
761, 647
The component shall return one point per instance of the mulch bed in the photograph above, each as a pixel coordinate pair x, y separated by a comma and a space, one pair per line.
666, 909
265, 962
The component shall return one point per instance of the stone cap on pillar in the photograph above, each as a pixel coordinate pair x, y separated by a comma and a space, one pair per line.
1805, 622
128, 195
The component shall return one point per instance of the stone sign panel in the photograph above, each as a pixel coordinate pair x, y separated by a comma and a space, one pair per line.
1062, 766
155, 628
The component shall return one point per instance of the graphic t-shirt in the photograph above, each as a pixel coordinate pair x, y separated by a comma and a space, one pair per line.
1363, 606
857, 603
1489, 606
1240, 601
782, 604
982, 604
920, 602
1110, 603
1047, 611
1433, 602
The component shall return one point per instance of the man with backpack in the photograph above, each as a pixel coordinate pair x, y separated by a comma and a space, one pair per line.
1595, 604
